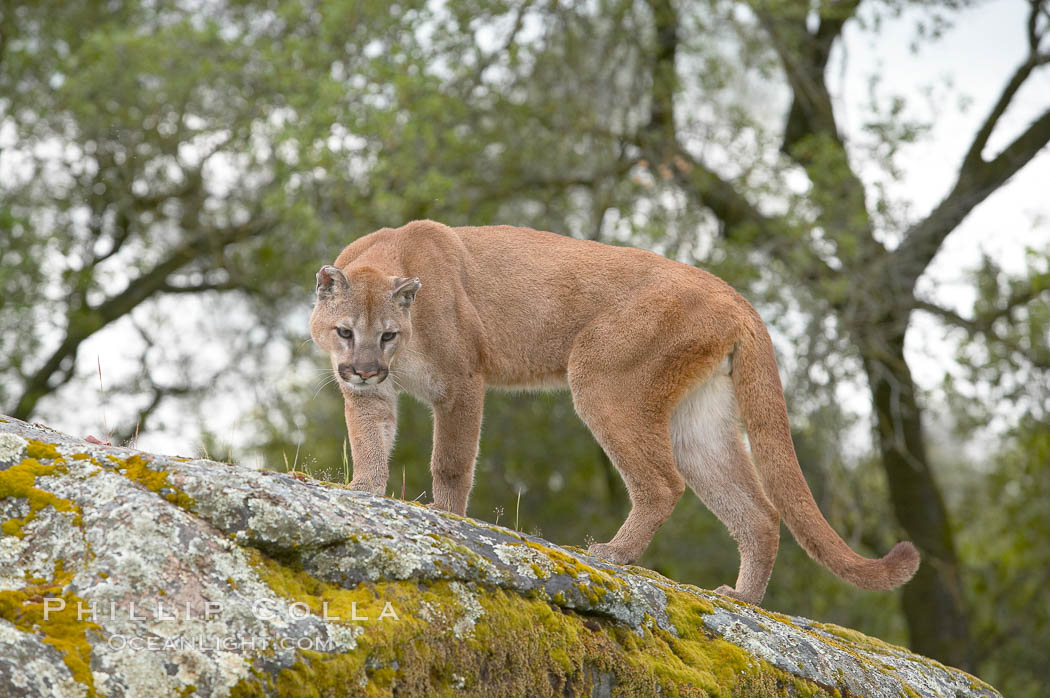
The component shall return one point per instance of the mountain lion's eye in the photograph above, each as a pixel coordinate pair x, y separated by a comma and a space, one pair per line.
344, 333
387, 336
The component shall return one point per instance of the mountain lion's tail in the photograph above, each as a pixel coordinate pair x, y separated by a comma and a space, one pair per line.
761, 399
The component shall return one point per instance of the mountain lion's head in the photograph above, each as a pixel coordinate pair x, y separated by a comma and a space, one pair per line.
362, 319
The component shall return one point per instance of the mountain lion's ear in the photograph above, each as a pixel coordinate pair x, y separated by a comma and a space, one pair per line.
405, 288
329, 281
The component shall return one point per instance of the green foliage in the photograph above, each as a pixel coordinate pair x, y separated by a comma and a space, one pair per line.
1006, 351
1004, 539
177, 149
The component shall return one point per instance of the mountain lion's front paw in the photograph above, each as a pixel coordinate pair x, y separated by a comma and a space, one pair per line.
611, 553
365, 486
726, 590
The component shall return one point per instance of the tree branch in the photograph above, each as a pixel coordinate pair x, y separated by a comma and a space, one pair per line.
199, 288
718, 195
950, 316
975, 182
973, 157
811, 135
984, 321
804, 56
487, 59
658, 140
663, 73
977, 177
129, 433
983, 325
82, 323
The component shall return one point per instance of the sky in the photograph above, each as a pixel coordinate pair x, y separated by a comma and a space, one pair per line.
976, 56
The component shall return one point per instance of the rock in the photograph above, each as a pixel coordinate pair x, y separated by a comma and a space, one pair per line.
129, 574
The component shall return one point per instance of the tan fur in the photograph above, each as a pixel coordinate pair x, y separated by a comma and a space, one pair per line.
662, 359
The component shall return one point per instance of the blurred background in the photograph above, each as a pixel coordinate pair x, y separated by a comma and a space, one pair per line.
871, 174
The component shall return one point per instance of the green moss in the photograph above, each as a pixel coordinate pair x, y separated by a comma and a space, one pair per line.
778, 617
598, 584
20, 481
61, 629
518, 646
39, 449
852, 641
859, 640
135, 468
471, 558
768, 686
25, 607
410, 502
648, 574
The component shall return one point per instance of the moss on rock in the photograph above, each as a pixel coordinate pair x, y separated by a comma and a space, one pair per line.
516, 646
135, 468
50, 609
396, 598
20, 481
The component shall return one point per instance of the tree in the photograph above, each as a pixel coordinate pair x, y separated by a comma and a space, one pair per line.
170, 150
173, 150
122, 122
838, 245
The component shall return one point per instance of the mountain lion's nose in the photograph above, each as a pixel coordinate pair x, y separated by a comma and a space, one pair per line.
366, 372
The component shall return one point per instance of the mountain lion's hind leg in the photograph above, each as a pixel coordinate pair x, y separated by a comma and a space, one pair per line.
710, 454
640, 448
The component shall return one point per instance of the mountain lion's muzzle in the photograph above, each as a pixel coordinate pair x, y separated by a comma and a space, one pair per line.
365, 374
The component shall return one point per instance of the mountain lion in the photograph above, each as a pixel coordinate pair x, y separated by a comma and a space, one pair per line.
662, 360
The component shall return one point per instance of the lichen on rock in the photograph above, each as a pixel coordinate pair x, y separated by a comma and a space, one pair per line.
124, 573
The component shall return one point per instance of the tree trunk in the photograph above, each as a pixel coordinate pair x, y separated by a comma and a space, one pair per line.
933, 601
